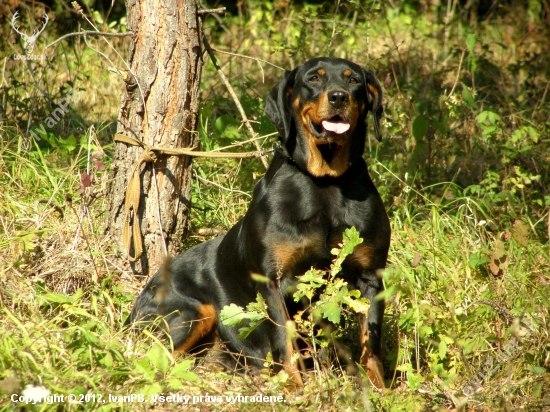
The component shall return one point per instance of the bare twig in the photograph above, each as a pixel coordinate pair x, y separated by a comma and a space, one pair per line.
89, 32
292, 20
247, 57
334, 24
234, 96
246, 142
414, 111
457, 73
209, 182
96, 31
541, 100
98, 52
221, 11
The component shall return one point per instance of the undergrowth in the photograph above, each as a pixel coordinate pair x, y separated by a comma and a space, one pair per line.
463, 169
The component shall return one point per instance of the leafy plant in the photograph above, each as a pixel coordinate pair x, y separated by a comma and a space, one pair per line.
331, 293
255, 313
463, 169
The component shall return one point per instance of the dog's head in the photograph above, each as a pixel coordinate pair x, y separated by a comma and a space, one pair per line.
319, 110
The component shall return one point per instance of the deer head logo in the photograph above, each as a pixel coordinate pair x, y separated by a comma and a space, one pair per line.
29, 40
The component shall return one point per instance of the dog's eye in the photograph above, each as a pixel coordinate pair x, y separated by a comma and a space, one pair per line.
353, 80
314, 78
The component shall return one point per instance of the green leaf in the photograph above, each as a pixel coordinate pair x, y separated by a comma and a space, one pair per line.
420, 127
442, 349
405, 367
468, 98
494, 117
414, 380
389, 292
480, 118
232, 315
538, 370
477, 259
97, 17
308, 284
517, 136
358, 305
181, 370
153, 389
247, 330
89, 336
226, 126
489, 130
256, 319
107, 360
259, 307
69, 143
259, 278
471, 42
471, 346
143, 367
351, 240
175, 384
159, 358
220, 125
533, 134
50, 297
331, 311
313, 277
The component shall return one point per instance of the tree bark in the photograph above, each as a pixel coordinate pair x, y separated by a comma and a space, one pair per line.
159, 107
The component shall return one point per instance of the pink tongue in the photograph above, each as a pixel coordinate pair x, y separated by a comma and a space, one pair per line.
337, 128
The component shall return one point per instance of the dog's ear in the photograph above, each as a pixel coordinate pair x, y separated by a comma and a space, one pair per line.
277, 106
374, 94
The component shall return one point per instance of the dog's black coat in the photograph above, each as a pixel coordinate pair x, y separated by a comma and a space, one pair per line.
316, 186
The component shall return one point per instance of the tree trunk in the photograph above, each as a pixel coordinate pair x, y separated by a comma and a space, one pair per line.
159, 107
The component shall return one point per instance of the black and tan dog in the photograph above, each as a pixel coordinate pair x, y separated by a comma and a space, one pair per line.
316, 186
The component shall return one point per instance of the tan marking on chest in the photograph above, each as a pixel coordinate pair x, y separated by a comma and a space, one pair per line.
287, 254
363, 255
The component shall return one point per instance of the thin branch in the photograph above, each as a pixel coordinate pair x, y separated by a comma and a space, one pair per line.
89, 32
142, 95
98, 52
541, 102
209, 182
247, 57
245, 142
334, 24
313, 21
234, 96
221, 11
457, 74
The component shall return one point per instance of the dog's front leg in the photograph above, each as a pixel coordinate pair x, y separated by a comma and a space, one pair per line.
290, 367
284, 339
370, 331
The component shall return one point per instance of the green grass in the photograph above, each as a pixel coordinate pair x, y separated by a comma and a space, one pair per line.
464, 178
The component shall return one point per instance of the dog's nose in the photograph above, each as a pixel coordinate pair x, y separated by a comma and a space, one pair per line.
337, 98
